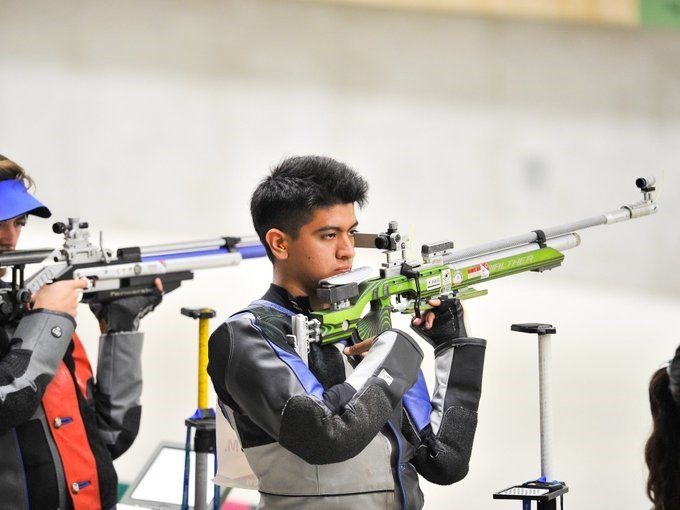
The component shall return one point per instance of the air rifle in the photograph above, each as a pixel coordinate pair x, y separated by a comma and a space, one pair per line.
405, 286
130, 272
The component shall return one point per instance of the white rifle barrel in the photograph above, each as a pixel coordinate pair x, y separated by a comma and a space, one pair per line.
626, 212
560, 243
157, 267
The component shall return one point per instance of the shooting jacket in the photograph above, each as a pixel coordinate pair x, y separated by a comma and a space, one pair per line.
335, 437
59, 430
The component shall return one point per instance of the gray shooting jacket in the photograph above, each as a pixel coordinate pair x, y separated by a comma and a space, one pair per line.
59, 429
333, 436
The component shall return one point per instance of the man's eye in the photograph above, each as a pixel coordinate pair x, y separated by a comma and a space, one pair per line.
352, 232
330, 235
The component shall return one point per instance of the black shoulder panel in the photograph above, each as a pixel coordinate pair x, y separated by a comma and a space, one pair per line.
310, 432
445, 459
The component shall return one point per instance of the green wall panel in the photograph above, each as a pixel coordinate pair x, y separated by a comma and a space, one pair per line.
660, 13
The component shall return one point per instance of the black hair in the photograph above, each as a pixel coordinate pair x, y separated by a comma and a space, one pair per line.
287, 198
662, 451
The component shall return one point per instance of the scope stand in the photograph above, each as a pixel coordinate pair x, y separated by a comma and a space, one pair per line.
202, 421
544, 490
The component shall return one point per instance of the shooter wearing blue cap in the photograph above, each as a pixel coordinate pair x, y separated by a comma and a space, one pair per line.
59, 429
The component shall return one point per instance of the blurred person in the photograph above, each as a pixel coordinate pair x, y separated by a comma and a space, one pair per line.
355, 427
59, 429
662, 451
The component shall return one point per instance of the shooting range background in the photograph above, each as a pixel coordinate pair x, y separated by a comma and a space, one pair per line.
155, 120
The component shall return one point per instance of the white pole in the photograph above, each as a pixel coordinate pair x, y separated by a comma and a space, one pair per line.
545, 391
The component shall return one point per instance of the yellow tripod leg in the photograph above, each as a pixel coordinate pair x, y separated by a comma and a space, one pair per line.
203, 315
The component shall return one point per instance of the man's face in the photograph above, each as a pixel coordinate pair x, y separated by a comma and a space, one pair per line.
9, 235
324, 247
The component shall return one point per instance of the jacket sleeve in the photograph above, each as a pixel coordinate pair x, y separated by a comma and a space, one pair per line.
118, 389
36, 348
443, 428
274, 388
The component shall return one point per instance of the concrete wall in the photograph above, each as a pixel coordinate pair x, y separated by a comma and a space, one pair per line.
155, 120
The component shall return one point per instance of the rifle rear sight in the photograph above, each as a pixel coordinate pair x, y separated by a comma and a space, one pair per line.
61, 228
391, 239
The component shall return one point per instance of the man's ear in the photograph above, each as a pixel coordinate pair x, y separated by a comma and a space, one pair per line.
278, 243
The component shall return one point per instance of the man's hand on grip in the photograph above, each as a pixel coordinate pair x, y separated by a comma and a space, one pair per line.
443, 322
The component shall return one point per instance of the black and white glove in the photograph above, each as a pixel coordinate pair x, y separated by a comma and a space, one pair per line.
124, 314
448, 324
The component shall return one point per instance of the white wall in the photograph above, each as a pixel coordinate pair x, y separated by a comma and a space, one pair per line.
155, 120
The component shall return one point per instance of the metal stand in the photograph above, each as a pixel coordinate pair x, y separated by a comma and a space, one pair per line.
203, 421
545, 489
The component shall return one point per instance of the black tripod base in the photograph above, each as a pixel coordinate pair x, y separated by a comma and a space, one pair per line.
544, 493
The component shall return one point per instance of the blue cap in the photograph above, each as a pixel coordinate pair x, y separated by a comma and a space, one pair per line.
15, 200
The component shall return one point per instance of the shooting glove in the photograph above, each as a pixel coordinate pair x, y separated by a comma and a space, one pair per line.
448, 323
124, 314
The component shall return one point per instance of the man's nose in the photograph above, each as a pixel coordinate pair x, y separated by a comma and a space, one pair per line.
346, 247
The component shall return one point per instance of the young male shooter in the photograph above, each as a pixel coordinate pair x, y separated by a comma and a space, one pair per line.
329, 436
59, 430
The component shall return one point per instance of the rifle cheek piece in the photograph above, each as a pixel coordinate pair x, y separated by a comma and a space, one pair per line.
337, 293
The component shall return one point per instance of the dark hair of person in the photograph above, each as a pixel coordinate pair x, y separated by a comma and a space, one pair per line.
10, 170
288, 197
662, 451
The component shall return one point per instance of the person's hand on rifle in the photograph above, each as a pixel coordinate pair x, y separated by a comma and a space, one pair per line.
124, 314
443, 322
359, 348
62, 296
